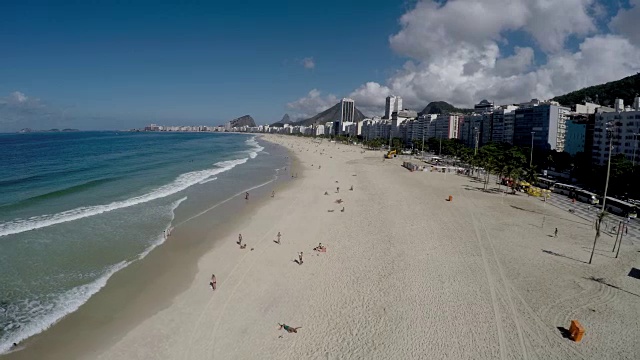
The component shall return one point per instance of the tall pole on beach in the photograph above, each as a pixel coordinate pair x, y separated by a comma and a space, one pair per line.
606, 187
476, 136
531, 156
635, 146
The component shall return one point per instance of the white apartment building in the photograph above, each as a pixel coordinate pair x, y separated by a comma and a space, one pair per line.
375, 129
393, 104
624, 123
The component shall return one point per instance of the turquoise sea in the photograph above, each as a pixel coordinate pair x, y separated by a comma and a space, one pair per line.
77, 207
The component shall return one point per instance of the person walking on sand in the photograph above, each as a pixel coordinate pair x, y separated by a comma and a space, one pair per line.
239, 239
273, 194
212, 283
338, 189
300, 258
279, 235
555, 233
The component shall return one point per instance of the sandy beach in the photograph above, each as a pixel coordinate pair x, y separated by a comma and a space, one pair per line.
406, 275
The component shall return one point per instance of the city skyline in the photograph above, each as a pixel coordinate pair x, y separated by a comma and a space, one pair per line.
116, 66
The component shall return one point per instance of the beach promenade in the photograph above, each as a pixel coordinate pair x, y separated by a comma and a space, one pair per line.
406, 275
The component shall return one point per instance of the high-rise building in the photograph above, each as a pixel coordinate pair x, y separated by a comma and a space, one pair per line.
483, 106
472, 124
546, 121
447, 126
624, 127
502, 129
393, 104
347, 115
348, 109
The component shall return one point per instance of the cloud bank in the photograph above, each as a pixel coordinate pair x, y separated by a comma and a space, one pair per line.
459, 52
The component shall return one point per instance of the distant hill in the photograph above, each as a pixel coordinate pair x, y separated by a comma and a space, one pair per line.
286, 119
245, 120
605, 94
443, 107
331, 114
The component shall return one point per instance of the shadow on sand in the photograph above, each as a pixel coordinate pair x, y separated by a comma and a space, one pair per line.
603, 282
475, 188
561, 255
564, 332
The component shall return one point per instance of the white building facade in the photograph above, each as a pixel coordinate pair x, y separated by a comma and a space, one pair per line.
393, 104
624, 124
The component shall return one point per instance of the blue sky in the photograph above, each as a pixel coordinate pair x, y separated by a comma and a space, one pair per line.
207, 61
112, 65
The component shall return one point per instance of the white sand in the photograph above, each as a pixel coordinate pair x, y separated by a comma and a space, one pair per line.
407, 275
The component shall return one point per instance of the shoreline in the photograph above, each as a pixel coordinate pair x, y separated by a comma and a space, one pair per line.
407, 274
134, 293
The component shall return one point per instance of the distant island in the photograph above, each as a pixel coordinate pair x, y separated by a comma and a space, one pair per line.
28, 130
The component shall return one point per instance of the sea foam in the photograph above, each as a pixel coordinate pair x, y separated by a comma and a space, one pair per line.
256, 147
41, 317
180, 183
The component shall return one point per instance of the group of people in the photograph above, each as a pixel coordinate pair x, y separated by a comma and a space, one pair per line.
300, 261
320, 248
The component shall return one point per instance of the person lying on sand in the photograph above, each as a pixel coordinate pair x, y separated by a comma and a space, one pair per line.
212, 283
326, 193
243, 246
320, 247
288, 328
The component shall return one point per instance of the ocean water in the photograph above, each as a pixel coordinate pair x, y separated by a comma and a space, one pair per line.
77, 207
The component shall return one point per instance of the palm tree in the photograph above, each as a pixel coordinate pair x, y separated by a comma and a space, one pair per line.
530, 174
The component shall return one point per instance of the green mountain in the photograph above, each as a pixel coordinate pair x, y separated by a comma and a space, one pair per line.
605, 94
245, 120
443, 107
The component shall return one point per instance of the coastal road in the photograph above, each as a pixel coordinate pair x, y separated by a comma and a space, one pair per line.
589, 213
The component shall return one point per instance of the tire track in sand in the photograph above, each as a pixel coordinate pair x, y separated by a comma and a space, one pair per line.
492, 289
508, 290
542, 332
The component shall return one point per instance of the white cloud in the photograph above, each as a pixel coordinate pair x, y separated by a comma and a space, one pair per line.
627, 22
17, 97
454, 52
18, 111
370, 97
311, 104
518, 63
308, 63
